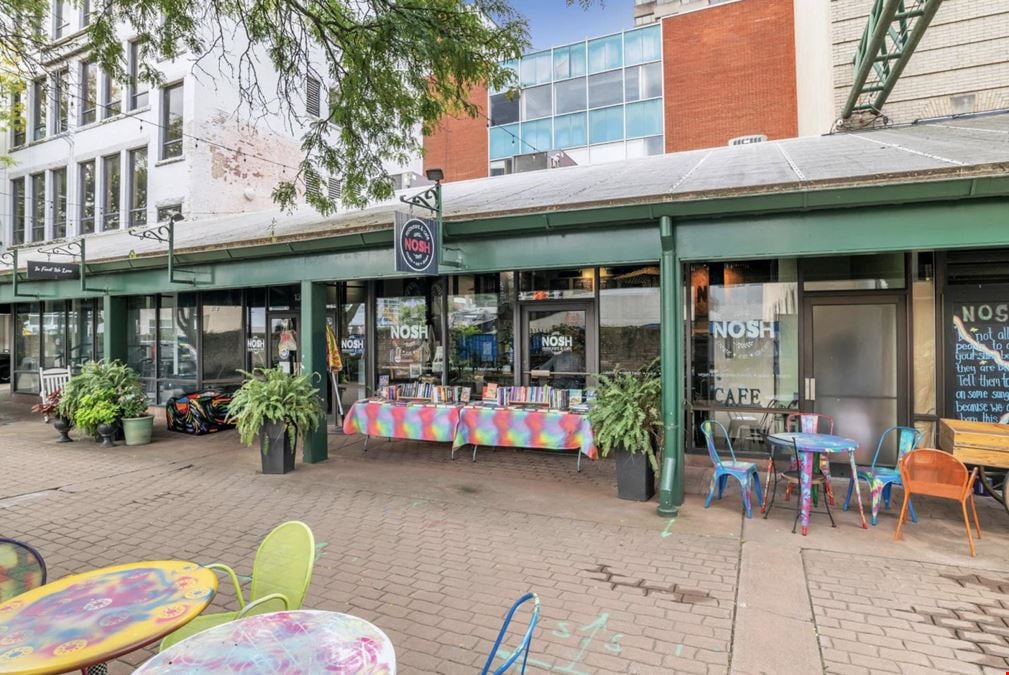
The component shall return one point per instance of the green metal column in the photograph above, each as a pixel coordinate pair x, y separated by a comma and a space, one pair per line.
114, 321
671, 294
313, 358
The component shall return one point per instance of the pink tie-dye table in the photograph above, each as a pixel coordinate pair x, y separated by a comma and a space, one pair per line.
89, 618
305, 642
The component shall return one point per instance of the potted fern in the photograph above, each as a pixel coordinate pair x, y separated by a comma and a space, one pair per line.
278, 408
626, 420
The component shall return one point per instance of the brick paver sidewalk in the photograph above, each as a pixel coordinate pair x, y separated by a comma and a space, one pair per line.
434, 551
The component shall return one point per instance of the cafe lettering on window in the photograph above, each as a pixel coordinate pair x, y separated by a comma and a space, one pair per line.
744, 351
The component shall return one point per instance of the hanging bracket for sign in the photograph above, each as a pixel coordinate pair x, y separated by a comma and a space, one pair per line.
11, 258
165, 234
430, 199
73, 249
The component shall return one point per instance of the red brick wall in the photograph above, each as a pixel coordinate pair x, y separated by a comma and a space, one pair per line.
729, 71
458, 145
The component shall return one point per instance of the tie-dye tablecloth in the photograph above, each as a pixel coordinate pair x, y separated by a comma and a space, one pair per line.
416, 422
294, 643
97, 616
518, 428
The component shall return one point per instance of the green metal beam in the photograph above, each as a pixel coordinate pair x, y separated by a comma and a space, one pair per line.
671, 346
313, 360
892, 33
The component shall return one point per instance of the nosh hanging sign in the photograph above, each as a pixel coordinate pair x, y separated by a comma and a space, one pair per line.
53, 271
415, 243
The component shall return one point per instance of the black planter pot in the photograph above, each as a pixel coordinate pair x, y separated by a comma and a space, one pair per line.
275, 448
62, 425
107, 432
635, 476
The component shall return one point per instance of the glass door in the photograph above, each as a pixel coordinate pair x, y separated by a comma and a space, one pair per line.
284, 342
855, 366
560, 345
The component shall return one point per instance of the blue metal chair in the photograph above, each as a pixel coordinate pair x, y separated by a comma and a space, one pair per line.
881, 479
744, 472
523, 647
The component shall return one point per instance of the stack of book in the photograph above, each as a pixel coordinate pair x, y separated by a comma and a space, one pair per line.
416, 391
559, 399
389, 393
531, 396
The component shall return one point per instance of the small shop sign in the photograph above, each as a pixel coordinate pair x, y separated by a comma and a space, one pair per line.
53, 271
415, 244
255, 344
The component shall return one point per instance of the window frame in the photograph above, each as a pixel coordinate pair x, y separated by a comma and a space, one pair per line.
166, 143
108, 215
133, 210
61, 101
82, 205
59, 225
134, 82
88, 115
110, 107
36, 228
19, 196
40, 108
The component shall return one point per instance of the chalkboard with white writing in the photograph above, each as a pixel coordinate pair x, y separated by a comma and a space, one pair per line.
976, 325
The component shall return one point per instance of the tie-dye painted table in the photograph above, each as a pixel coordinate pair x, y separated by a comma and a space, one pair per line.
89, 618
808, 445
520, 428
293, 643
409, 421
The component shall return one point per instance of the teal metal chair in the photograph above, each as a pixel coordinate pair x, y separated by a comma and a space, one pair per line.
523, 647
881, 479
281, 574
744, 472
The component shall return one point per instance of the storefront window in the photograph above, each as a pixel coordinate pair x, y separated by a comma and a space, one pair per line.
255, 342
54, 332
628, 317
923, 332
744, 347
81, 331
141, 339
28, 347
481, 331
409, 340
557, 284
352, 333
223, 354
882, 271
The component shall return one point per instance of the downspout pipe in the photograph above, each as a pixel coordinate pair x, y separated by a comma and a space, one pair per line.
671, 351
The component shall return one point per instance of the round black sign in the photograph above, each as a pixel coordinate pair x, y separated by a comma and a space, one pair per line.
417, 244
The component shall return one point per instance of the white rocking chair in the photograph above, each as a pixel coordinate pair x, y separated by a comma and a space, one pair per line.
51, 379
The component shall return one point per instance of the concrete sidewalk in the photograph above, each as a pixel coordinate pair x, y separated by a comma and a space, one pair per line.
434, 551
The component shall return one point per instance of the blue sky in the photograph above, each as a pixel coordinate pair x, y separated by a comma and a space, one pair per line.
552, 22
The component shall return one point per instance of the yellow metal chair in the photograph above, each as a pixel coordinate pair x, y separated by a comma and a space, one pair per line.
281, 573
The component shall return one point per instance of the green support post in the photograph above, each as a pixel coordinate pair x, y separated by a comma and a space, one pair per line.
313, 359
671, 294
114, 321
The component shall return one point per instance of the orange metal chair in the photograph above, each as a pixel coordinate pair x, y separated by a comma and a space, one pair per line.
927, 471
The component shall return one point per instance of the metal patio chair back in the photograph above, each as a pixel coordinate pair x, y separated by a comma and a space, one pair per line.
810, 423
881, 479
21, 569
281, 574
744, 472
927, 471
523, 647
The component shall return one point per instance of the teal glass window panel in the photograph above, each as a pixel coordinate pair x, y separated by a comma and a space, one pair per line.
504, 141
606, 124
641, 82
536, 69
606, 89
536, 136
642, 45
644, 118
570, 131
605, 53
569, 61
569, 96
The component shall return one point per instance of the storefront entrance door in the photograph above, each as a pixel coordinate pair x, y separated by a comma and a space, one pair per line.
855, 366
284, 342
559, 344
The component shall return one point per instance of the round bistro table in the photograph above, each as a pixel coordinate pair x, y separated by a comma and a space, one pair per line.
86, 619
293, 643
807, 446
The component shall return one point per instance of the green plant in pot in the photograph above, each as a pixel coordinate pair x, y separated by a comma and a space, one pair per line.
278, 408
113, 378
137, 424
97, 412
50, 409
626, 420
